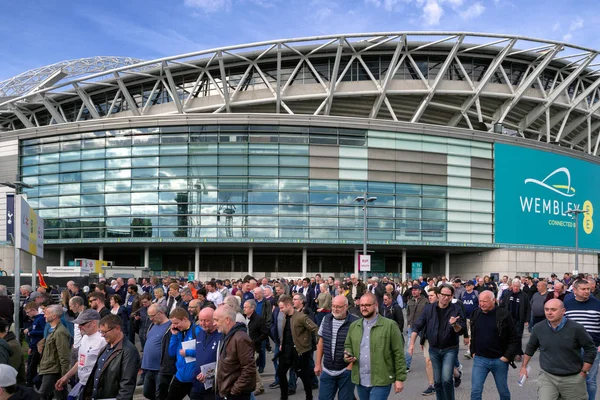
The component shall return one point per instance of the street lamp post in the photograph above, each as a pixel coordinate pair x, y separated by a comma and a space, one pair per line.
366, 200
17, 186
575, 215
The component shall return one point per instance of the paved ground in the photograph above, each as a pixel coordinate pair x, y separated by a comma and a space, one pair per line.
417, 381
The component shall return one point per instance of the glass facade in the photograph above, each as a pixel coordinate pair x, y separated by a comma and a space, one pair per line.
237, 182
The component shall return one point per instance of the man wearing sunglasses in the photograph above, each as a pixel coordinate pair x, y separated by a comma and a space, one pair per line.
117, 366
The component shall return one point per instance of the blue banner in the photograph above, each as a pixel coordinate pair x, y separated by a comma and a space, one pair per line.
534, 190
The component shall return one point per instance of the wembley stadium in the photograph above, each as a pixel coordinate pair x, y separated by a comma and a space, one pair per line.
250, 158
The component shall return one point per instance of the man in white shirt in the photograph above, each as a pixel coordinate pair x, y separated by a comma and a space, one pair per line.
92, 343
76, 305
213, 294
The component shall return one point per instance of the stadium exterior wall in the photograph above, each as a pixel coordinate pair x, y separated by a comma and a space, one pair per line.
277, 183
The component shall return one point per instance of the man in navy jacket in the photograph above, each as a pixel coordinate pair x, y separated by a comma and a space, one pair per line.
207, 344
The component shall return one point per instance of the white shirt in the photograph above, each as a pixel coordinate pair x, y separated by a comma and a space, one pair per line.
77, 336
88, 354
216, 297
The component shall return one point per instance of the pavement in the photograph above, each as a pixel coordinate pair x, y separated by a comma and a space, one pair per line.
416, 381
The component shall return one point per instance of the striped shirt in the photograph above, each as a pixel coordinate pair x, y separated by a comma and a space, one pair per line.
587, 313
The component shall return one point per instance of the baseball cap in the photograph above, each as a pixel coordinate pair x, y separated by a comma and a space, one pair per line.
416, 287
472, 283
8, 376
86, 316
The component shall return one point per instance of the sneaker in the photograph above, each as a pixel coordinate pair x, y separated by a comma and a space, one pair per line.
258, 392
274, 385
429, 391
261, 370
407, 370
468, 355
458, 379
460, 367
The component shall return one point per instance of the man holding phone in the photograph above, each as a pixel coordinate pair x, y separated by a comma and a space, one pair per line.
442, 323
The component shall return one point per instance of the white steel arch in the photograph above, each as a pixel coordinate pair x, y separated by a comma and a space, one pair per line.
537, 89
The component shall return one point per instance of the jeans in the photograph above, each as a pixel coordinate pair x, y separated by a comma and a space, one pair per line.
520, 326
262, 359
32, 365
407, 356
481, 367
47, 390
304, 372
202, 396
341, 384
276, 360
442, 362
178, 390
590, 381
293, 378
150, 389
164, 382
373, 392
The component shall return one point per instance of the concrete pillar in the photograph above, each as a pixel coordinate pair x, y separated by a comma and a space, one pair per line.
403, 265
62, 257
304, 262
250, 261
101, 253
447, 271
232, 263
321, 265
356, 253
146, 257
33, 273
276, 263
197, 263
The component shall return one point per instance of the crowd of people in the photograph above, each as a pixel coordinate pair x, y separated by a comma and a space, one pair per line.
212, 340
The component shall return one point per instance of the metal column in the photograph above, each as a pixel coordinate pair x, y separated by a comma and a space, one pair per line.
447, 272
403, 265
197, 263
33, 273
304, 262
101, 253
62, 257
146, 257
250, 261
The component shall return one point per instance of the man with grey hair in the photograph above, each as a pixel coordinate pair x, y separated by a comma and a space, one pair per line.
56, 356
517, 303
157, 377
7, 307
258, 332
76, 305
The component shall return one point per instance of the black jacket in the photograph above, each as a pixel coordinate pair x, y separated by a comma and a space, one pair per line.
167, 363
430, 324
524, 305
393, 312
507, 333
257, 330
24, 393
119, 373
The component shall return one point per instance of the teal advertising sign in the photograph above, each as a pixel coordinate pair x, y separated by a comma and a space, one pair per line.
417, 270
535, 189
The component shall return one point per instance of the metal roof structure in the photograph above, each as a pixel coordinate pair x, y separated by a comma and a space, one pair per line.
533, 88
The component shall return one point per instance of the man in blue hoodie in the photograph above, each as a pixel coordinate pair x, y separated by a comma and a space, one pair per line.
182, 331
207, 344
34, 334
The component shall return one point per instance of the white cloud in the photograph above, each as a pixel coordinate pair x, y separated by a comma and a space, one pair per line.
388, 5
432, 13
454, 3
556, 27
577, 24
208, 6
473, 11
567, 37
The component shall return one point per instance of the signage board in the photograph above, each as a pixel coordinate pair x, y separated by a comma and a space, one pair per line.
10, 217
416, 270
364, 263
29, 228
534, 190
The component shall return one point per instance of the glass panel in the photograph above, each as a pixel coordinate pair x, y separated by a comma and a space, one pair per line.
262, 208
404, 188
118, 152
117, 198
203, 160
353, 186
70, 156
117, 210
92, 154
293, 221
71, 188
144, 198
118, 174
144, 162
90, 199
119, 163
94, 164
118, 141
381, 187
118, 186
30, 160
30, 170
173, 149
48, 158
93, 176
263, 160
323, 198
263, 197
144, 173
70, 177
430, 202
263, 184
323, 233
48, 202
145, 150
173, 172
293, 184
145, 139
69, 201
173, 184
146, 184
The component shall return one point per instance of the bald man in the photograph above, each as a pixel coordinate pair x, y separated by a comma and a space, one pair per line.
563, 370
493, 344
207, 343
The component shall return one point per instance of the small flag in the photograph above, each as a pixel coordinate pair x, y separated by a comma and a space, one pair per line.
42, 281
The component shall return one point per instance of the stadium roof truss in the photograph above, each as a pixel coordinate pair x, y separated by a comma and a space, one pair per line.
536, 89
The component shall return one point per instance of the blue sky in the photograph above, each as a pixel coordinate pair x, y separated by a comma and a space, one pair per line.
34, 34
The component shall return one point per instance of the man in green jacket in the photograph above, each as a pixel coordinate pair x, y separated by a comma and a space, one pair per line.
56, 357
375, 348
